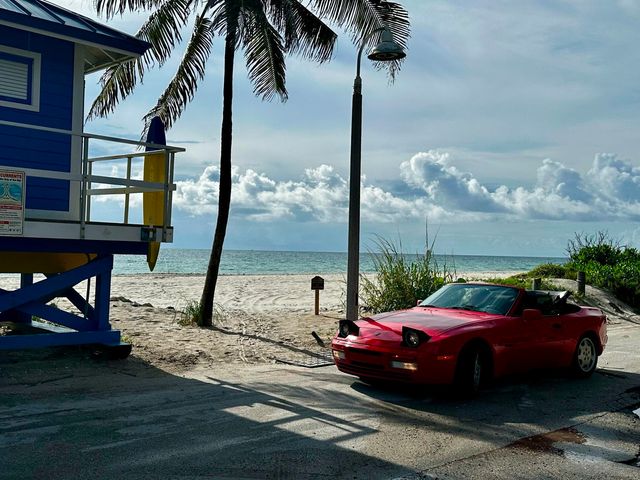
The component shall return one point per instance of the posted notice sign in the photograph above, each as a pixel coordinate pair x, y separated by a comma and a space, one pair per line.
11, 202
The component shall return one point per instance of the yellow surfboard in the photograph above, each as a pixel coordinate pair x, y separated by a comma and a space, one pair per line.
153, 202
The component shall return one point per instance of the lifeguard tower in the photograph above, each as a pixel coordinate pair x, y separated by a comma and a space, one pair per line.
51, 171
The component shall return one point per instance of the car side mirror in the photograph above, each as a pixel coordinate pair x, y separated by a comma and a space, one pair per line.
531, 314
418, 302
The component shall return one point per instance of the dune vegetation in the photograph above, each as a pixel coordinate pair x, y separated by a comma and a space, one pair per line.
402, 279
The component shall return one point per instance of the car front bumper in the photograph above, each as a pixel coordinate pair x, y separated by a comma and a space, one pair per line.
421, 365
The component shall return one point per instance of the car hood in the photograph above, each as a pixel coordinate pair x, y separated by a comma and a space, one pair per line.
432, 321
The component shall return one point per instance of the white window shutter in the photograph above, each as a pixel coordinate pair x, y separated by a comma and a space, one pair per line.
14, 80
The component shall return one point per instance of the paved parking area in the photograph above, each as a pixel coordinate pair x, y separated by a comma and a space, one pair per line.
66, 415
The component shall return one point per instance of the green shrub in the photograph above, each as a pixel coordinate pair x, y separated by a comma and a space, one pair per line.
521, 281
401, 280
548, 270
598, 247
570, 271
515, 281
607, 264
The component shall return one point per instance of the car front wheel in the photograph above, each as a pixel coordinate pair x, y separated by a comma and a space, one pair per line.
471, 371
585, 358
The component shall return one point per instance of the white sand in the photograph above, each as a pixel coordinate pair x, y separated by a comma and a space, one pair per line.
251, 293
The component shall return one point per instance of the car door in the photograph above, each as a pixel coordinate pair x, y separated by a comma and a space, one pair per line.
547, 333
515, 352
550, 339
532, 339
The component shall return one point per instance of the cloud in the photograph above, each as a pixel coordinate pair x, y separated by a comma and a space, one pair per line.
555, 178
617, 185
616, 180
321, 195
554, 196
437, 189
609, 190
445, 185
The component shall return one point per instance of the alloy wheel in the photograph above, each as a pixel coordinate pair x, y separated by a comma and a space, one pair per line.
586, 354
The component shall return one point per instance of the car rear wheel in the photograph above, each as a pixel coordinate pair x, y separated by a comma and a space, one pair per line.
471, 372
585, 358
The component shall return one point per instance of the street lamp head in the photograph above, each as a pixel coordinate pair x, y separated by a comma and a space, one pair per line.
387, 50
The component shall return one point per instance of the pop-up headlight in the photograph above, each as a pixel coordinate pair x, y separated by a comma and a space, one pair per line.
412, 337
346, 328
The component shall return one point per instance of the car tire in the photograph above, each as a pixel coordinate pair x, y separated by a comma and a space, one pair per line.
471, 371
585, 358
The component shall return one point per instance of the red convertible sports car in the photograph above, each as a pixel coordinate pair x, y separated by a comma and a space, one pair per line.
467, 333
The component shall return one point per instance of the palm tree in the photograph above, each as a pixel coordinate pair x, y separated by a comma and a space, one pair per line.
266, 31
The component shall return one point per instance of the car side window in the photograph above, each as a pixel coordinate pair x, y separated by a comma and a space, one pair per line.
542, 302
545, 304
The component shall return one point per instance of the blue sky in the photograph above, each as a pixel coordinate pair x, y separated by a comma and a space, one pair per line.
511, 126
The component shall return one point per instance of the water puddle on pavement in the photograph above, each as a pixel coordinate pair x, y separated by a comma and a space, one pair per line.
545, 442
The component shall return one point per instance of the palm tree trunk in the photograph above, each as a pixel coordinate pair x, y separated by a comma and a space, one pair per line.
224, 195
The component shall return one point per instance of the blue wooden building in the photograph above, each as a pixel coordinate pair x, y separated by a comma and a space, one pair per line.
51, 171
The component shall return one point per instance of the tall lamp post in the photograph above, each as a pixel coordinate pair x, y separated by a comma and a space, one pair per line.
387, 50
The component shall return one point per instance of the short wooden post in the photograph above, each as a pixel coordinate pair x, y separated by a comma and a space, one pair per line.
582, 281
317, 284
317, 304
536, 284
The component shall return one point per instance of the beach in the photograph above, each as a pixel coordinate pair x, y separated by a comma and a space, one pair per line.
262, 318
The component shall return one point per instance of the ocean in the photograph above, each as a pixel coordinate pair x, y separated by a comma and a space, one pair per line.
257, 262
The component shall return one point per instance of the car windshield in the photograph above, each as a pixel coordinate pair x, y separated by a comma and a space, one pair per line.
477, 297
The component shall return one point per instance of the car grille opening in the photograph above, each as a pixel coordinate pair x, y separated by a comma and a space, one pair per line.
362, 351
370, 366
362, 369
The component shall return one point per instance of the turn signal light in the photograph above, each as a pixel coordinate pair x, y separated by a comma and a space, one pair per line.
339, 355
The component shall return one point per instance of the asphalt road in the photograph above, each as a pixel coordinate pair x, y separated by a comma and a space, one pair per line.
64, 414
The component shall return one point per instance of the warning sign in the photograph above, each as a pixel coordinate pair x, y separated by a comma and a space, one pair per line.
11, 202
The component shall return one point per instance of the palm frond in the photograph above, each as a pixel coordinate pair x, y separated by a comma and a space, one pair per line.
304, 33
264, 52
162, 30
184, 84
361, 17
109, 8
224, 15
117, 83
396, 18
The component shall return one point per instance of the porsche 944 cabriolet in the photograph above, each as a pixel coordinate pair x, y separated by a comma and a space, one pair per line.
465, 334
